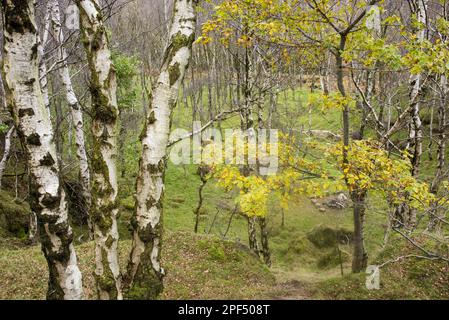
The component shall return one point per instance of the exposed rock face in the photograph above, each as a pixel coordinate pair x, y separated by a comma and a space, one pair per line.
327, 237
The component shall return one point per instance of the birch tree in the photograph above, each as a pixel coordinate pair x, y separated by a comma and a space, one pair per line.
32, 120
103, 87
419, 8
74, 106
43, 71
405, 214
6, 153
145, 274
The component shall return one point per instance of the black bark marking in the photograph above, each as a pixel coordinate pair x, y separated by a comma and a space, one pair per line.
47, 160
34, 139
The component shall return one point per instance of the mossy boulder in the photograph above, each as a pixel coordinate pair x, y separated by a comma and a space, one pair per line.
14, 215
327, 237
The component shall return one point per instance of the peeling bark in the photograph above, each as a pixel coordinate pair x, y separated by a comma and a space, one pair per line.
104, 208
32, 120
145, 274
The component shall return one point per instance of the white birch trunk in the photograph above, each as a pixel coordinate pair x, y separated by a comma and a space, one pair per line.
145, 274
32, 120
6, 153
42, 65
415, 136
104, 130
75, 108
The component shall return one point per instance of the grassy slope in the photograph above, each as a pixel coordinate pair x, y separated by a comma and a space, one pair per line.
197, 266
405, 279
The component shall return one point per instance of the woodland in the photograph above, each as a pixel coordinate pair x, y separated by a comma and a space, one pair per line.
224, 149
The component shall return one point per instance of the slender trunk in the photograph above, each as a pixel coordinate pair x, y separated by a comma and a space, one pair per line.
145, 274
6, 153
42, 65
203, 170
74, 106
415, 143
416, 135
198, 208
59, 138
370, 77
441, 152
105, 112
32, 120
360, 256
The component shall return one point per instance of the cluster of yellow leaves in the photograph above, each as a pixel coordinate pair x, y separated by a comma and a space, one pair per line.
333, 100
426, 56
253, 190
369, 167
239, 21
296, 175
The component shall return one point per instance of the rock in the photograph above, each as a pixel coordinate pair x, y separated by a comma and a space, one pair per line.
338, 201
327, 237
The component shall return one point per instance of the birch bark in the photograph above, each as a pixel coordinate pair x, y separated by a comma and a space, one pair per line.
415, 136
6, 153
145, 274
105, 112
32, 120
42, 65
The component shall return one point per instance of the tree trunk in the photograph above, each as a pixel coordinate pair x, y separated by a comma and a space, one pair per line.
6, 153
264, 241
75, 108
105, 112
32, 120
252, 236
360, 257
415, 135
145, 274
441, 153
42, 65
200, 202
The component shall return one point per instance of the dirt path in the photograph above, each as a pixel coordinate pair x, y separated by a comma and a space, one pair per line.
290, 290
